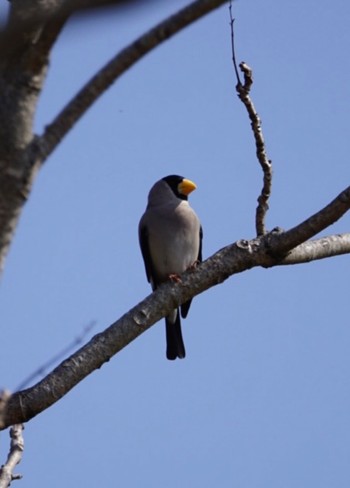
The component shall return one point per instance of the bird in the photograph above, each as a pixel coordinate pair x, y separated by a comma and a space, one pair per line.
170, 237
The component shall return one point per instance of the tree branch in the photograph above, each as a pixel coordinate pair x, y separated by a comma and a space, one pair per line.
267, 251
327, 247
243, 91
284, 242
84, 99
14, 457
265, 163
20, 44
24, 52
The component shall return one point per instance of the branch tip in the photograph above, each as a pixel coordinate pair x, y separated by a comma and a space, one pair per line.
239, 83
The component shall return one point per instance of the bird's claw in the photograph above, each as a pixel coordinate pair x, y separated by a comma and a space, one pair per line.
175, 278
193, 265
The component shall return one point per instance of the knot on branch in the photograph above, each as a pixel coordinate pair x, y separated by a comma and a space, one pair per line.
272, 252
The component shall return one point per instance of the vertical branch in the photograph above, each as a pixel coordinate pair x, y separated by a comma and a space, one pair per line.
265, 163
243, 91
233, 43
14, 457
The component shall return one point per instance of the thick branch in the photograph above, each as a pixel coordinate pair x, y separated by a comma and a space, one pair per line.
116, 67
24, 53
243, 255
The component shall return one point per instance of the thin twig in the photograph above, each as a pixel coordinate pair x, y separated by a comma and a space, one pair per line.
233, 44
243, 91
44, 367
14, 457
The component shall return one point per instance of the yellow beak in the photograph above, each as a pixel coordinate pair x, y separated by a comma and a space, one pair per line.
186, 186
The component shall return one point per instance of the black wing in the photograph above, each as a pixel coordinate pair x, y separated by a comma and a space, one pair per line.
186, 306
144, 245
199, 259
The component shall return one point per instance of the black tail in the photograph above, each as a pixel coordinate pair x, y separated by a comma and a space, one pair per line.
175, 347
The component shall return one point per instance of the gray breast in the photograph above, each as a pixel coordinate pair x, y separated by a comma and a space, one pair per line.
174, 239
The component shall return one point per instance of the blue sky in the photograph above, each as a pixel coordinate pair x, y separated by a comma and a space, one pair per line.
262, 398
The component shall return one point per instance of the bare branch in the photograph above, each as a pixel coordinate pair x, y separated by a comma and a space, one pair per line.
31, 23
14, 457
284, 242
24, 54
267, 251
265, 163
116, 67
327, 247
233, 44
243, 91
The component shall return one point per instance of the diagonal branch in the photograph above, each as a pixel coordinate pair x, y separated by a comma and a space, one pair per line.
263, 251
284, 242
84, 99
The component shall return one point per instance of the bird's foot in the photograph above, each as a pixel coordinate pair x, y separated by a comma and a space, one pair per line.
193, 266
175, 278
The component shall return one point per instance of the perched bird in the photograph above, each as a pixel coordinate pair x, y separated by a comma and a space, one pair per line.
170, 236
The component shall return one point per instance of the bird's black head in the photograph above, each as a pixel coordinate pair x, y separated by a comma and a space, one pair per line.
180, 185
